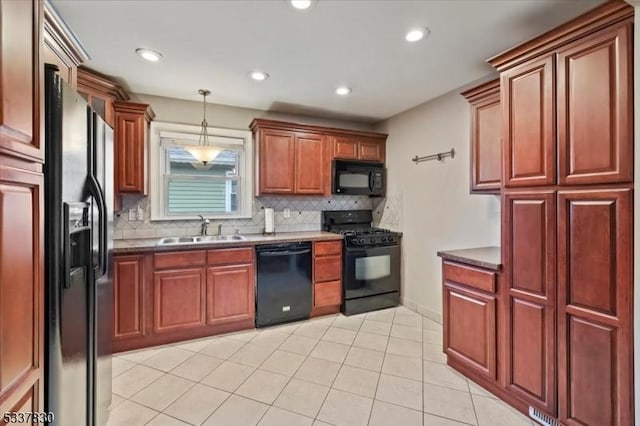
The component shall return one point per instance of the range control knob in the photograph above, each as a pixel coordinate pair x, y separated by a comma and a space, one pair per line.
361, 241
373, 240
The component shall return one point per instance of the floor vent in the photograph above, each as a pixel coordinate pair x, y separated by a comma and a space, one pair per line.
542, 418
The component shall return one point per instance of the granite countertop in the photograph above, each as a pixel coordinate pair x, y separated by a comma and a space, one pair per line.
483, 257
151, 244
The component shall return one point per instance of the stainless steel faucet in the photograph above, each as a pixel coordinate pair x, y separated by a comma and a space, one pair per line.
204, 223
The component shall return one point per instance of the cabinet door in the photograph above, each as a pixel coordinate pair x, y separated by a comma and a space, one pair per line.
486, 153
371, 150
128, 293
179, 299
130, 134
230, 294
595, 296
21, 292
528, 127
470, 328
20, 83
595, 112
277, 162
530, 299
309, 164
345, 147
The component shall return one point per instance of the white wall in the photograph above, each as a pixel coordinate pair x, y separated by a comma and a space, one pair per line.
190, 112
438, 213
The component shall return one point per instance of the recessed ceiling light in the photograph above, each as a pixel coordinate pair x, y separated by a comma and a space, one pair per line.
343, 90
301, 4
149, 54
417, 34
259, 75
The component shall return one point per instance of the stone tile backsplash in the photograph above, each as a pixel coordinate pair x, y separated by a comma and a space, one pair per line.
305, 216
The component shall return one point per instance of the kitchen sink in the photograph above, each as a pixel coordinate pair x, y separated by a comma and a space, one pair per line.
214, 238
172, 241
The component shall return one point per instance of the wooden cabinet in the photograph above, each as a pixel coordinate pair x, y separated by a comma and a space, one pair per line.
470, 318
21, 291
178, 299
358, 148
327, 277
128, 295
230, 293
295, 159
60, 47
486, 137
21, 208
529, 235
171, 296
595, 280
101, 93
528, 133
595, 112
291, 163
130, 146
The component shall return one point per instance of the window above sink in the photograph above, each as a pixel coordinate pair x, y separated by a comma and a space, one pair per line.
182, 188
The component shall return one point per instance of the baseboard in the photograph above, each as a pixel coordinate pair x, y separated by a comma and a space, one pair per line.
422, 310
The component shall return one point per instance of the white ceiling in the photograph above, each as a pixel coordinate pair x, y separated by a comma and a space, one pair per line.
216, 44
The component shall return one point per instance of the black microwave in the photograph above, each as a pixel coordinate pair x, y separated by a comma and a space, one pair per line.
358, 178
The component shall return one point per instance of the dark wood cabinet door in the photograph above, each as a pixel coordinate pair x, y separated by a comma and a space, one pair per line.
595, 297
371, 150
486, 137
20, 82
21, 292
529, 258
469, 319
130, 160
277, 162
179, 299
230, 293
345, 147
595, 111
128, 292
310, 171
528, 137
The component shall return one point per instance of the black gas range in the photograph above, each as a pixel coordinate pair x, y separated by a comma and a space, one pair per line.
371, 261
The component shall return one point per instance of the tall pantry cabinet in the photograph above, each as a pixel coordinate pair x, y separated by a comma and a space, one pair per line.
21, 198
567, 218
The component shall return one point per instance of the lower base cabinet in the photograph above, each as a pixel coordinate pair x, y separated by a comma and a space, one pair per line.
173, 296
327, 277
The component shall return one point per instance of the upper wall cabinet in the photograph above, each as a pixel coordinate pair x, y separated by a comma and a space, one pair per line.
130, 146
486, 168
61, 47
595, 112
358, 148
101, 93
295, 159
582, 82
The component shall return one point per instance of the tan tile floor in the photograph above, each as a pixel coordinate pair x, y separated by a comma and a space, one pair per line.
382, 368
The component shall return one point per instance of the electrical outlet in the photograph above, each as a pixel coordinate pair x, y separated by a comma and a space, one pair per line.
287, 213
133, 214
140, 213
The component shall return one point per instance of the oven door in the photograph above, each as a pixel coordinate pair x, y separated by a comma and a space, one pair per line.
371, 271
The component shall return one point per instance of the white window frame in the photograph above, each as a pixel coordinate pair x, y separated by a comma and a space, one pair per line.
187, 133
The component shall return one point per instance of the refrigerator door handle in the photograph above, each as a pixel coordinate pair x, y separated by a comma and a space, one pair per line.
97, 194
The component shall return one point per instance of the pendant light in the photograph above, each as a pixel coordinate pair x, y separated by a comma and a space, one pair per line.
203, 152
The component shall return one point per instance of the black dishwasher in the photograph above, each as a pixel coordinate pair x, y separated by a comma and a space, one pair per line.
284, 283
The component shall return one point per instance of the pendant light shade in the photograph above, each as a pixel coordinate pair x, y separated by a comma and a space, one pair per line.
203, 152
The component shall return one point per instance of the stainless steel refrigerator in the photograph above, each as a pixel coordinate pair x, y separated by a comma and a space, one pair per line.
78, 245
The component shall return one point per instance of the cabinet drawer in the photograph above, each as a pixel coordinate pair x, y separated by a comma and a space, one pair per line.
327, 248
327, 294
327, 268
179, 259
471, 277
234, 255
